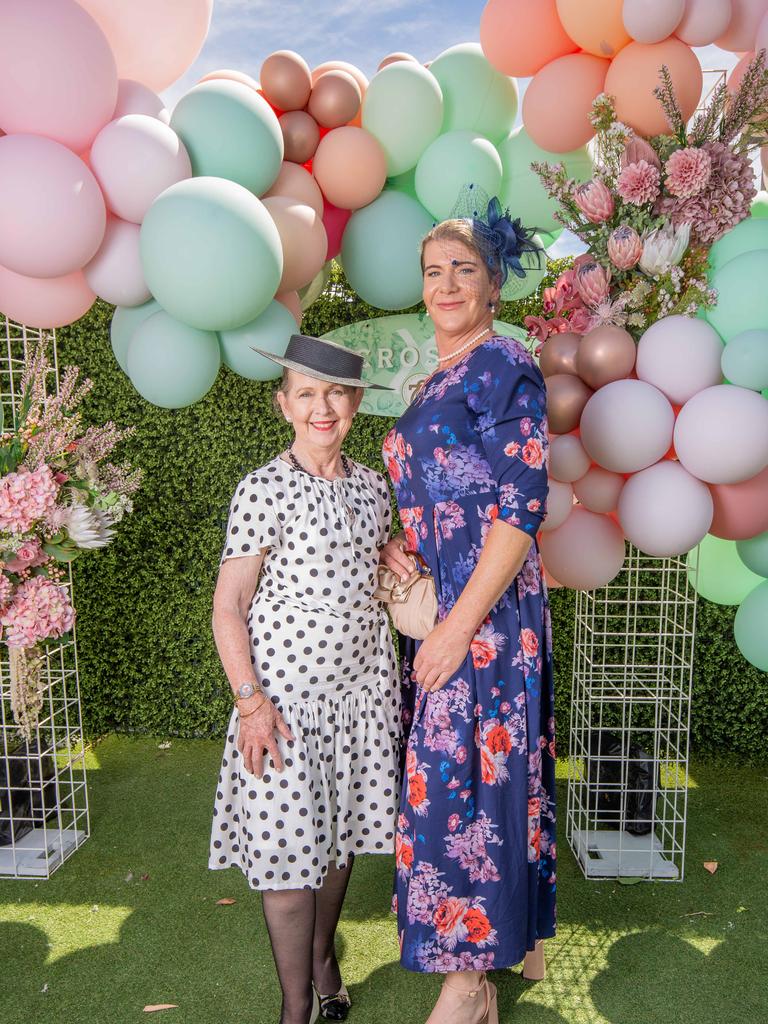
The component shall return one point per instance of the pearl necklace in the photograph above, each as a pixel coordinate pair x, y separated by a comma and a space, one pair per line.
459, 351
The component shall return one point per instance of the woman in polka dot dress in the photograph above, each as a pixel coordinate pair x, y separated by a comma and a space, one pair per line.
309, 777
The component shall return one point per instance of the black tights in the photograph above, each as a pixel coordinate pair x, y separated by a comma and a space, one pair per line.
302, 926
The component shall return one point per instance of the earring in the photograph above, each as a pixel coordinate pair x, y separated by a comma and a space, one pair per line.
492, 306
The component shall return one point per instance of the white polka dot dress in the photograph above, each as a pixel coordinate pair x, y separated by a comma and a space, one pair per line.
322, 650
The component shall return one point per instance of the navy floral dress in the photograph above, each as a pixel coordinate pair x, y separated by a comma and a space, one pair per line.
475, 845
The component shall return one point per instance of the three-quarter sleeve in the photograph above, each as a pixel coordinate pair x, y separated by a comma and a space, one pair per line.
253, 520
512, 423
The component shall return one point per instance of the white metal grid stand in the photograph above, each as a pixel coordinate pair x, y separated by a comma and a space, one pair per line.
630, 718
43, 793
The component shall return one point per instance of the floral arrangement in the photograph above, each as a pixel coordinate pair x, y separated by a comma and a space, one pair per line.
653, 209
58, 497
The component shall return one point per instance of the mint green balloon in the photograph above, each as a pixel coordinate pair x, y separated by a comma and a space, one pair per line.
476, 97
405, 183
748, 236
722, 576
125, 320
380, 251
231, 132
745, 360
171, 364
549, 238
759, 207
742, 303
403, 109
453, 162
754, 553
521, 189
270, 331
749, 627
211, 253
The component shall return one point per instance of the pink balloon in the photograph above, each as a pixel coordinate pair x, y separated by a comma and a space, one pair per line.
135, 159
135, 98
665, 511
586, 552
680, 355
44, 302
559, 504
350, 167
57, 73
115, 272
305, 243
599, 489
51, 208
335, 221
292, 303
703, 21
713, 453
295, 182
634, 74
745, 18
154, 41
741, 510
558, 101
567, 459
650, 21
627, 425
761, 36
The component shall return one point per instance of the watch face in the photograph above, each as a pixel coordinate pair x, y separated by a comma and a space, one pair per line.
246, 690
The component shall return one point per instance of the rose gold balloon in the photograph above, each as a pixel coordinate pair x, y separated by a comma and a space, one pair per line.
231, 76
292, 303
599, 489
335, 99
301, 135
393, 58
558, 354
566, 397
286, 80
357, 74
605, 354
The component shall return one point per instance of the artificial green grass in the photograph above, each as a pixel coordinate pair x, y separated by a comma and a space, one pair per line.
97, 942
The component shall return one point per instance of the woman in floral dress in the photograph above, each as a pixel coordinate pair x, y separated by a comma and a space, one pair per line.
475, 845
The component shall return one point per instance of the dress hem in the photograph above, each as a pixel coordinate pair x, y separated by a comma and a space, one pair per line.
288, 885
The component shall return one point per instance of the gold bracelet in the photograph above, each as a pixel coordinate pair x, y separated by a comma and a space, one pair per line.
258, 707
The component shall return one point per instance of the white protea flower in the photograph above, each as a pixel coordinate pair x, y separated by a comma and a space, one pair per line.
88, 527
664, 248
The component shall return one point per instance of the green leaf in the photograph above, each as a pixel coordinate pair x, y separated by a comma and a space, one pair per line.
61, 553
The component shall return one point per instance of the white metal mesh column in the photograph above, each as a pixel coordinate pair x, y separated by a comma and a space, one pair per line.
43, 794
630, 717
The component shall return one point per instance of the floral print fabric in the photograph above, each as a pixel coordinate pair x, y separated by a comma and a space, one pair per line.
475, 845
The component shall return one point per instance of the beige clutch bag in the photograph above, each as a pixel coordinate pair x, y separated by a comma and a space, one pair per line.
411, 603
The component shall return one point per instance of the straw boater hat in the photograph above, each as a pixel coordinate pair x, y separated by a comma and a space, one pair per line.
323, 359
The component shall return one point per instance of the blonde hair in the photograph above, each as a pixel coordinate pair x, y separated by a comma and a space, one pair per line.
461, 230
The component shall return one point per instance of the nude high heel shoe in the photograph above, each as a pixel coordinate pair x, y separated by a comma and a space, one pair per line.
534, 967
485, 990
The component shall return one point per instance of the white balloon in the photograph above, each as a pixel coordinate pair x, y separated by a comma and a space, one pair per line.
115, 272
135, 159
650, 21
559, 504
136, 98
665, 511
626, 426
680, 355
567, 459
587, 551
721, 434
599, 489
704, 21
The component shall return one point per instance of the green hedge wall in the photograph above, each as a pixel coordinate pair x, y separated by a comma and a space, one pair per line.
147, 659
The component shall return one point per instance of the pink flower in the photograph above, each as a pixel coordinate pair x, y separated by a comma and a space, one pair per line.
637, 149
25, 498
6, 590
453, 822
579, 322
639, 183
593, 283
40, 610
29, 554
461, 755
595, 201
624, 247
688, 171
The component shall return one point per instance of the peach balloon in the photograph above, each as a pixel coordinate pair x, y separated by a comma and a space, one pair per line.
286, 80
303, 238
741, 510
704, 21
153, 43
301, 134
559, 504
634, 74
558, 354
650, 21
350, 167
566, 397
604, 355
594, 25
599, 489
587, 551
558, 101
393, 58
295, 182
44, 302
292, 303
746, 16
135, 98
231, 76
568, 461
734, 79
335, 99
520, 36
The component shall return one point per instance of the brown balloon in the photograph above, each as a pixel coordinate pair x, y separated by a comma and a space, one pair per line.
558, 354
604, 355
566, 397
286, 80
393, 58
335, 99
301, 135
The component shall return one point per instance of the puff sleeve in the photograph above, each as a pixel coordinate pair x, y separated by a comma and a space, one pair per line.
253, 521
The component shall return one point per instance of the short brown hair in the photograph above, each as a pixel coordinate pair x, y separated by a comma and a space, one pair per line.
460, 230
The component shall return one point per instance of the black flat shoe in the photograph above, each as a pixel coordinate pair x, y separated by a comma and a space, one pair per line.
336, 1006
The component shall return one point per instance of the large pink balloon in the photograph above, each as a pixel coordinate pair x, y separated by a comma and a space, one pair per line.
599, 489
627, 426
745, 18
703, 21
650, 21
741, 510
135, 159
52, 213
586, 552
680, 355
115, 272
558, 101
721, 434
304, 241
350, 167
634, 74
665, 511
559, 504
154, 41
520, 36
135, 98
44, 302
295, 182
567, 459
57, 73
